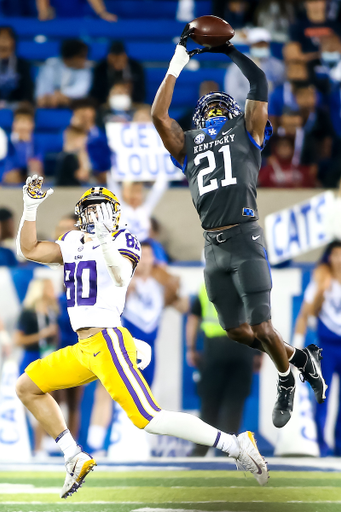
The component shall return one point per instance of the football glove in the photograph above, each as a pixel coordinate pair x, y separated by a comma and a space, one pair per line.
143, 352
104, 224
181, 56
33, 196
223, 48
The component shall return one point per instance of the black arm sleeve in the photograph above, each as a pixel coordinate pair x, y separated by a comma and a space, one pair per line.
256, 77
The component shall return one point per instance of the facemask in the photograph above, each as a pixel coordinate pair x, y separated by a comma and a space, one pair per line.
330, 57
120, 102
260, 53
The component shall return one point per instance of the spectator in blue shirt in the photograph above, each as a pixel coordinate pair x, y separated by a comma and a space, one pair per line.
65, 78
24, 155
283, 96
84, 116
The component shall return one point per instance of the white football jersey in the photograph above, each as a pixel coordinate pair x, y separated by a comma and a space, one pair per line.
93, 300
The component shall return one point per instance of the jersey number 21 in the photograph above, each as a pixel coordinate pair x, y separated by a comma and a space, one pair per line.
213, 184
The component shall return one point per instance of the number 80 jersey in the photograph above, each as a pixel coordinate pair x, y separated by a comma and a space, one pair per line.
93, 300
222, 165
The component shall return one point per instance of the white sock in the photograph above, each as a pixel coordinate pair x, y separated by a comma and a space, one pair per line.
96, 436
228, 444
285, 374
191, 428
67, 444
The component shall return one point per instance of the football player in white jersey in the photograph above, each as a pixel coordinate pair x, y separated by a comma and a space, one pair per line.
99, 261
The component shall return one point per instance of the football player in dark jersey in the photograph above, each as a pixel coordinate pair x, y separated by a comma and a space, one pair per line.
221, 159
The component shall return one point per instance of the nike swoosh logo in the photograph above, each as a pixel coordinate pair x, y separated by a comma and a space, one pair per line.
228, 131
96, 354
255, 237
95, 246
259, 469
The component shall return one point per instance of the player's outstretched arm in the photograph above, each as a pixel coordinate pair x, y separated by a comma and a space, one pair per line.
170, 131
27, 243
256, 107
120, 267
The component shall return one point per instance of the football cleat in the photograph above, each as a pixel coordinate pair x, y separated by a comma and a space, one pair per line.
284, 405
76, 470
249, 458
315, 378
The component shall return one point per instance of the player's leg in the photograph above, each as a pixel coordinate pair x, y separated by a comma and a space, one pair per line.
116, 367
61, 369
101, 416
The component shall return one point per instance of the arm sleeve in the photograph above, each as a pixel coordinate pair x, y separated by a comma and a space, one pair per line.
256, 77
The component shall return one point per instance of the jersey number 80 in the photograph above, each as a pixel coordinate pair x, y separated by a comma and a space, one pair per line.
80, 284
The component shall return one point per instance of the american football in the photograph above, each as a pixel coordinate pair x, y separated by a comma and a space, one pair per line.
211, 31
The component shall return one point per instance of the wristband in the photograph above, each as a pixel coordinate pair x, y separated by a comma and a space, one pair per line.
178, 62
30, 214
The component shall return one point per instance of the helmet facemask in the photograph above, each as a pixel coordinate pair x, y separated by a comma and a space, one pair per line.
87, 205
213, 105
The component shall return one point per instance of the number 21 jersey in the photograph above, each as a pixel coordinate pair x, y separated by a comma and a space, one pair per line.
222, 165
93, 300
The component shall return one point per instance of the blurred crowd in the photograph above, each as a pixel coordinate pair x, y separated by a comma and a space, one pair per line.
297, 44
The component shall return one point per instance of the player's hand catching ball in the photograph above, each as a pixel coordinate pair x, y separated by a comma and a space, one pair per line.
33, 195
181, 56
104, 224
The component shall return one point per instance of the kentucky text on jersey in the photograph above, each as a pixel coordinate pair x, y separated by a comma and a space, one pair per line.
209, 145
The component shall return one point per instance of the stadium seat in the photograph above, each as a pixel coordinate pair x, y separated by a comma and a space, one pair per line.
52, 119
6, 118
79, 27
50, 142
38, 51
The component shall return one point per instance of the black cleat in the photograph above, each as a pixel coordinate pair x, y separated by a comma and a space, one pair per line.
282, 411
315, 378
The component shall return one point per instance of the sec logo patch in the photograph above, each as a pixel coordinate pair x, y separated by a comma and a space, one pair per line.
199, 138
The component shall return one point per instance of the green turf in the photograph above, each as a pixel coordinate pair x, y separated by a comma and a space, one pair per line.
211, 491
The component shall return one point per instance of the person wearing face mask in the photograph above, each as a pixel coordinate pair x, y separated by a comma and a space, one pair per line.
259, 41
119, 103
331, 57
117, 66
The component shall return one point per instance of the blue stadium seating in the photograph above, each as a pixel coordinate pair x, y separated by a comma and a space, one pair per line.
57, 119
6, 118
50, 142
132, 29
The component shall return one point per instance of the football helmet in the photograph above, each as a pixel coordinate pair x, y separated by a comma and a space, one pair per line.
213, 105
86, 204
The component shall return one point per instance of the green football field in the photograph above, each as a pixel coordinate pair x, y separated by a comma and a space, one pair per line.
174, 491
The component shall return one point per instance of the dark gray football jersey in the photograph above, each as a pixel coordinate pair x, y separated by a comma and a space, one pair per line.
222, 165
